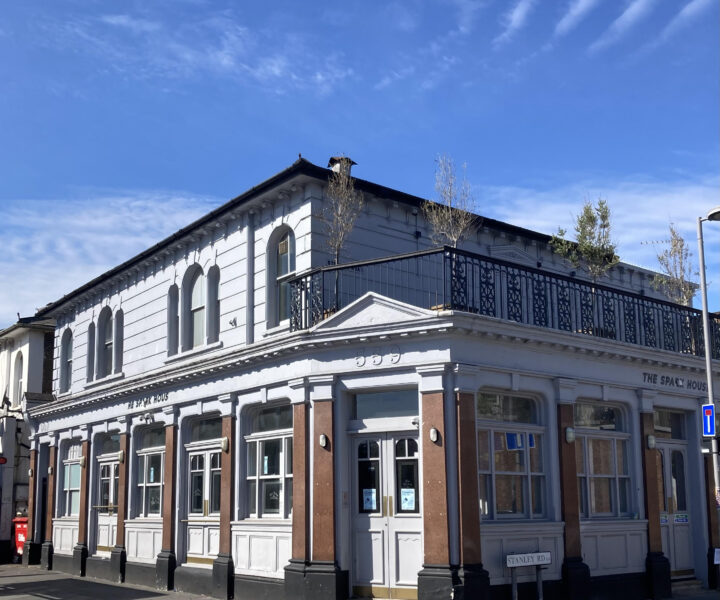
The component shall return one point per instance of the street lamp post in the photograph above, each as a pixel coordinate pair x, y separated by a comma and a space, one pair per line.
713, 215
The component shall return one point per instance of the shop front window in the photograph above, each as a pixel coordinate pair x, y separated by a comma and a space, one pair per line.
150, 469
510, 457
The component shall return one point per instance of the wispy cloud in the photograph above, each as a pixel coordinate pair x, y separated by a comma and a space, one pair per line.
514, 20
402, 16
689, 13
51, 247
217, 45
633, 14
641, 209
576, 12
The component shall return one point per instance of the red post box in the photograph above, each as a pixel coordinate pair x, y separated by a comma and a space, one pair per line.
21, 524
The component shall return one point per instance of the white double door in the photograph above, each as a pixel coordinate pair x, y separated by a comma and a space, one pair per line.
387, 515
675, 516
107, 505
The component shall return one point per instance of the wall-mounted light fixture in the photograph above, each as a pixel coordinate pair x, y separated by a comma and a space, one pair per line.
569, 435
121, 456
50, 470
82, 462
225, 444
323, 441
30, 472
651, 442
434, 435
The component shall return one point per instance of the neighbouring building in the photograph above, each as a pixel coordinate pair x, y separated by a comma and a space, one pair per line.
234, 415
25, 372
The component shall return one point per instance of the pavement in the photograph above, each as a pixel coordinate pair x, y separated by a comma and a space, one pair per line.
33, 583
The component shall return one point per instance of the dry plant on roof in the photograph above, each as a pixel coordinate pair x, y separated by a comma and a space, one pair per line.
341, 209
451, 216
594, 249
678, 278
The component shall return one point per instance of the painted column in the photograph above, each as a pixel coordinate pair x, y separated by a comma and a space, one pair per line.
80, 552
323, 576
166, 560
575, 573
657, 565
47, 547
31, 549
475, 578
118, 556
712, 517
223, 568
295, 570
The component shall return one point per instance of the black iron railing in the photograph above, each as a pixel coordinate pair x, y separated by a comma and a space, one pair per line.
447, 278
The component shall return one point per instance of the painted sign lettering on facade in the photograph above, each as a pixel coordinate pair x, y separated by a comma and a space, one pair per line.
671, 381
147, 401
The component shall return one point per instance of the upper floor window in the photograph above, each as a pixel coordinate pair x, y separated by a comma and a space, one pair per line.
269, 463
601, 453
510, 457
200, 315
18, 379
109, 343
66, 348
281, 266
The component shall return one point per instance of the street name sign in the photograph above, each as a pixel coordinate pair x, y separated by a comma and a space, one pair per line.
528, 560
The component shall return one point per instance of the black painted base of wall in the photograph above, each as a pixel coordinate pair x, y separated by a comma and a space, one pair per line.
295, 579
140, 574
438, 581
99, 568
165, 566
657, 567
713, 570
63, 562
632, 586
6, 551
474, 583
32, 553
260, 588
528, 591
576, 579
46, 555
324, 580
80, 555
223, 577
194, 580
118, 558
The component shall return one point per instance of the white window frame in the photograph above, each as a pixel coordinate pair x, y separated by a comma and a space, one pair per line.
284, 436
18, 377
108, 460
68, 462
583, 441
493, 426
142, 487
205, 448
198, 280
66, 349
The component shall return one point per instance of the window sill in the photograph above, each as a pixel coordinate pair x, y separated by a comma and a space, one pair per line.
194, 352
64, 395
283, 327
106, 379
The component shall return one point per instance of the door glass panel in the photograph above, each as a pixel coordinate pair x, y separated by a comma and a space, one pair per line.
678, 480
368, 472
406, 477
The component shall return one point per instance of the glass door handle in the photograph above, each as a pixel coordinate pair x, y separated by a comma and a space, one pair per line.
384, 506
390, 506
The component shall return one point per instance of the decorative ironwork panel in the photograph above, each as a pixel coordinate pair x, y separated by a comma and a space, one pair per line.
609, 326
630, 317
563, 307
487, 290
587, 310
458, 283
296, 304
668, 331
315, 299
540, 298
649, 327
514, 295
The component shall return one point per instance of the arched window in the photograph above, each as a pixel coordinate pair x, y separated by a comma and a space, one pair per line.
66, 348
104, 361
173, 320
118, 351
70, 499
91, 352
510, 457
281, 266
18, 379
197, 311
213, 304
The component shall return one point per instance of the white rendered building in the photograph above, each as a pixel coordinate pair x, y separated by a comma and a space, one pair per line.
234, 416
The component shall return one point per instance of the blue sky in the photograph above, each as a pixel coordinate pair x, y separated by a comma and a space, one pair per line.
122, 121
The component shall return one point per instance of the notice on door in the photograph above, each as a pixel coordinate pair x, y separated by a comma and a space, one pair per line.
369, 499
407, 499
681, 518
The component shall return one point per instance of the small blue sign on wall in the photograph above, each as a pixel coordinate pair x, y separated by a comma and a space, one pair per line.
708, 420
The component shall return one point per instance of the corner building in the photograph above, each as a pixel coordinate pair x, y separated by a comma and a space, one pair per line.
232, 416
